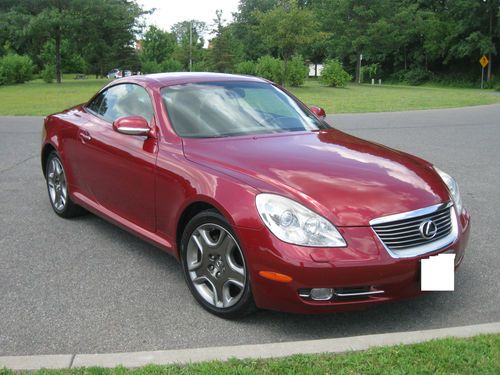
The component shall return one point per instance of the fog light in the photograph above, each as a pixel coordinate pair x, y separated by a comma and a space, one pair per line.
321, 294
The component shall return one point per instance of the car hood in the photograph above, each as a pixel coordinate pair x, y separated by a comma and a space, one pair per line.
346, 179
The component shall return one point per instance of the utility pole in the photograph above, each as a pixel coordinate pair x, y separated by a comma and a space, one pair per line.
360, 59
491, 38
190, 46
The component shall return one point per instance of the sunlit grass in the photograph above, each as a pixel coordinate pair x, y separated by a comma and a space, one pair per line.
477, 355
40, 98
389, 98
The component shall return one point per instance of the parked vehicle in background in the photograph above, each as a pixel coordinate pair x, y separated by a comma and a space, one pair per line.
114, 73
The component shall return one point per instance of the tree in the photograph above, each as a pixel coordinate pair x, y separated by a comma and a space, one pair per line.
98, 30
189, 36
286, 28
157, 45
225, 49
246, 30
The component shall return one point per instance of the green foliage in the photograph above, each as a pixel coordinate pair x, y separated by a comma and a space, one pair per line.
370, 71
246, 67
287, 27
202, 66
296, 71
497, 87
183, 52
171, 65
334, 75
48, 73
225, 49
270, 68
149, 67
415, 76
157, 45
15, 69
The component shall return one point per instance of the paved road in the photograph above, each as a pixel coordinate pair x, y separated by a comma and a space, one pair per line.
86, 286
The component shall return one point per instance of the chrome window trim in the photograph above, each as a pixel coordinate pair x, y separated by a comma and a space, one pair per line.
422, 249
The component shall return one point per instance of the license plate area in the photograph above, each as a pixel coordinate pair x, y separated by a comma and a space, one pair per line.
437, 273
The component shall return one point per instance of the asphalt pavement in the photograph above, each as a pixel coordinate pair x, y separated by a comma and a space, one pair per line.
86, 286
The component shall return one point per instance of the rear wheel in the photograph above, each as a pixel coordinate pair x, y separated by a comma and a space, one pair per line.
214, 266
57, 188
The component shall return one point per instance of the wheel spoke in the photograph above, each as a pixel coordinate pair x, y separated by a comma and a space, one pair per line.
200, 279
208, 240
237, 277
63, 199
219, 294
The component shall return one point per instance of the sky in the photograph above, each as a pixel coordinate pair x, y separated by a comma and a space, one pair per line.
169, 12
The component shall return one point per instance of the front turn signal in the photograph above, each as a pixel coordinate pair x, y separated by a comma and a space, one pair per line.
279, 277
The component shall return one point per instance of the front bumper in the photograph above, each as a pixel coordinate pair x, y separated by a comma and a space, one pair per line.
364, 263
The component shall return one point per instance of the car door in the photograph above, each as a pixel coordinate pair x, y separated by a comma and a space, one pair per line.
120, 168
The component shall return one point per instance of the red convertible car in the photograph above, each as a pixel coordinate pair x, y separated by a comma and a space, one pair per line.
264, 203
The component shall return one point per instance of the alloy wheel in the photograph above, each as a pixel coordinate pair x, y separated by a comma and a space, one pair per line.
56, 181
216, 265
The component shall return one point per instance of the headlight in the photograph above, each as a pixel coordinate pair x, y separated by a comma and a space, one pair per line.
293, 223
452, 187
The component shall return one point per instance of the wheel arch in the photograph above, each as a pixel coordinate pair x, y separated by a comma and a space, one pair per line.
190, 211
46, 150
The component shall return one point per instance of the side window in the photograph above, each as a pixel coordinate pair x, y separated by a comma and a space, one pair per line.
123, 100
96, 103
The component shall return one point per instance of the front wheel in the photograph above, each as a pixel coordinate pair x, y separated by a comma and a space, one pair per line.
214, 266
57, 188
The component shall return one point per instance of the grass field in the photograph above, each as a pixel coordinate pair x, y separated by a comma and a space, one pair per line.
477, 355
39, 98
389, 98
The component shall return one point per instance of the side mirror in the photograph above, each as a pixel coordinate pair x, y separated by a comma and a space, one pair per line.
318, 111
132, 125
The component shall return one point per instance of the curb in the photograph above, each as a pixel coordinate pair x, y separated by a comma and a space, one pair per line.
274, 350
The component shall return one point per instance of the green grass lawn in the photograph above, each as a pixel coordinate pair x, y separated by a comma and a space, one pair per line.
477, 355
39, 98
389, 98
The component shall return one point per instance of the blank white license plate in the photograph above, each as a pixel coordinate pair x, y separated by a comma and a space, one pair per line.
438, 273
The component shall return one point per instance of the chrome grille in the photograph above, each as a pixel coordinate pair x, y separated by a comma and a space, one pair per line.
403, 231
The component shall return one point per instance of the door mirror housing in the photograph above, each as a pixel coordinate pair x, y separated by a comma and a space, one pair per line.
132, 125
318, 111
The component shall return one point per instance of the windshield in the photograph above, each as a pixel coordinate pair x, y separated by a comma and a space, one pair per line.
224, 109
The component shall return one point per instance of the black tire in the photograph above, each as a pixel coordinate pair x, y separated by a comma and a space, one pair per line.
64, 208
245, 304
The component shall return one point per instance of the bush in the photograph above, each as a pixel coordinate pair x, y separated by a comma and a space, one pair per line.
151, 67
297, 71
416, 76
202, 66
334, 75
49, 73
270, 68
369, 72
246, 67
497, 88
15, 69
171, 65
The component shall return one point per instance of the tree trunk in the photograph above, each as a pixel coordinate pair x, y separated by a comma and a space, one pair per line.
58, 53
492, 10
358, 68
488, 75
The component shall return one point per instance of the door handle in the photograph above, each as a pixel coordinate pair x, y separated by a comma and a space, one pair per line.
85, 136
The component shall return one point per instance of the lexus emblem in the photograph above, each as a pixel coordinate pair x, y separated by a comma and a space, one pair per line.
428, 229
